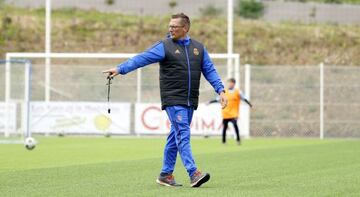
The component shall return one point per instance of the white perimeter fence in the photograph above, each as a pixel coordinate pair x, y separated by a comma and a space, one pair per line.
69, 96
302, 101
320, 101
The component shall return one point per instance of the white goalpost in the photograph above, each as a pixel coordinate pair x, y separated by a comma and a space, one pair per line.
10, 130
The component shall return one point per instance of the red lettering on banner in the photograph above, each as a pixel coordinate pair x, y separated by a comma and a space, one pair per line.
204, 125
143, 118
220, 126
168, 125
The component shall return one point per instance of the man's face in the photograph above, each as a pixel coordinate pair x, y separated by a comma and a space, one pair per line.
177, 29
230, 85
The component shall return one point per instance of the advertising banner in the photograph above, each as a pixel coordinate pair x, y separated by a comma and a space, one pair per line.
7, 116
79, 117
207, 120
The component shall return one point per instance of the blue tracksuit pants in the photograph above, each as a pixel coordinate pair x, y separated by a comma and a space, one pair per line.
179, 139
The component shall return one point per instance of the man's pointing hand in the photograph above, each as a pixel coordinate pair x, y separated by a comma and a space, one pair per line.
111, 72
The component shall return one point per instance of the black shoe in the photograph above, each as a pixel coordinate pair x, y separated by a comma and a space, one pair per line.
199, 178
167, 180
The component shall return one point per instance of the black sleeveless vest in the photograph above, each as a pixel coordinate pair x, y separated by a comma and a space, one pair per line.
180, 73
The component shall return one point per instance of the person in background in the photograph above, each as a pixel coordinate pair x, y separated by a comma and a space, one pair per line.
231, 112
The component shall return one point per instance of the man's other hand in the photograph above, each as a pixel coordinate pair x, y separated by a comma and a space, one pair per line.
111, 72
223, 100
252, 108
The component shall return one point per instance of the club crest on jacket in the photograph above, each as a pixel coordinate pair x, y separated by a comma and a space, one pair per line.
196, 51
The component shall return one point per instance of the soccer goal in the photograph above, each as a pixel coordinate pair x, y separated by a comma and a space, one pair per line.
15, 94
74, 81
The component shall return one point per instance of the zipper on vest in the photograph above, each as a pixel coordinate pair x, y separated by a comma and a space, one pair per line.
189, 86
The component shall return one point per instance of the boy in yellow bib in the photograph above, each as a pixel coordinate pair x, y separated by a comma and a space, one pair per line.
231, 112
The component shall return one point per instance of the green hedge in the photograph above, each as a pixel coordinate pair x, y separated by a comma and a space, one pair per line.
251, 9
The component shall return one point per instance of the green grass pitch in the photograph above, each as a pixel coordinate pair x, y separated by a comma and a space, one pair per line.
92, 166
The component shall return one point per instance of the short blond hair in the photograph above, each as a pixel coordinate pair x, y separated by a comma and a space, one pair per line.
185, 20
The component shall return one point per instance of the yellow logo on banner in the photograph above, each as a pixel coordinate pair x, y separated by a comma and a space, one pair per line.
102, 122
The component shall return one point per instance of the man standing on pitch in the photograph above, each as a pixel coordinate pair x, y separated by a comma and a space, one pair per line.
182, 60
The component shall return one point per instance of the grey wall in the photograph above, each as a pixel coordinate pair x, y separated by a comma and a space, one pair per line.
312, 12
141, 7
276, 11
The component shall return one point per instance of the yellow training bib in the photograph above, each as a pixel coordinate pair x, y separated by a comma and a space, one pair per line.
232, 108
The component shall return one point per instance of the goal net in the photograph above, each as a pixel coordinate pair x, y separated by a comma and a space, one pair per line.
15, 79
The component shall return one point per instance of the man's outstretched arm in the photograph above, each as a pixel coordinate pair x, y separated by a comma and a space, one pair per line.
243, 97
152, 55
210, 74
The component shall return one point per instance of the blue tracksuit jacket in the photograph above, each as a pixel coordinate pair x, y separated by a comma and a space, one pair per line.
156, 53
